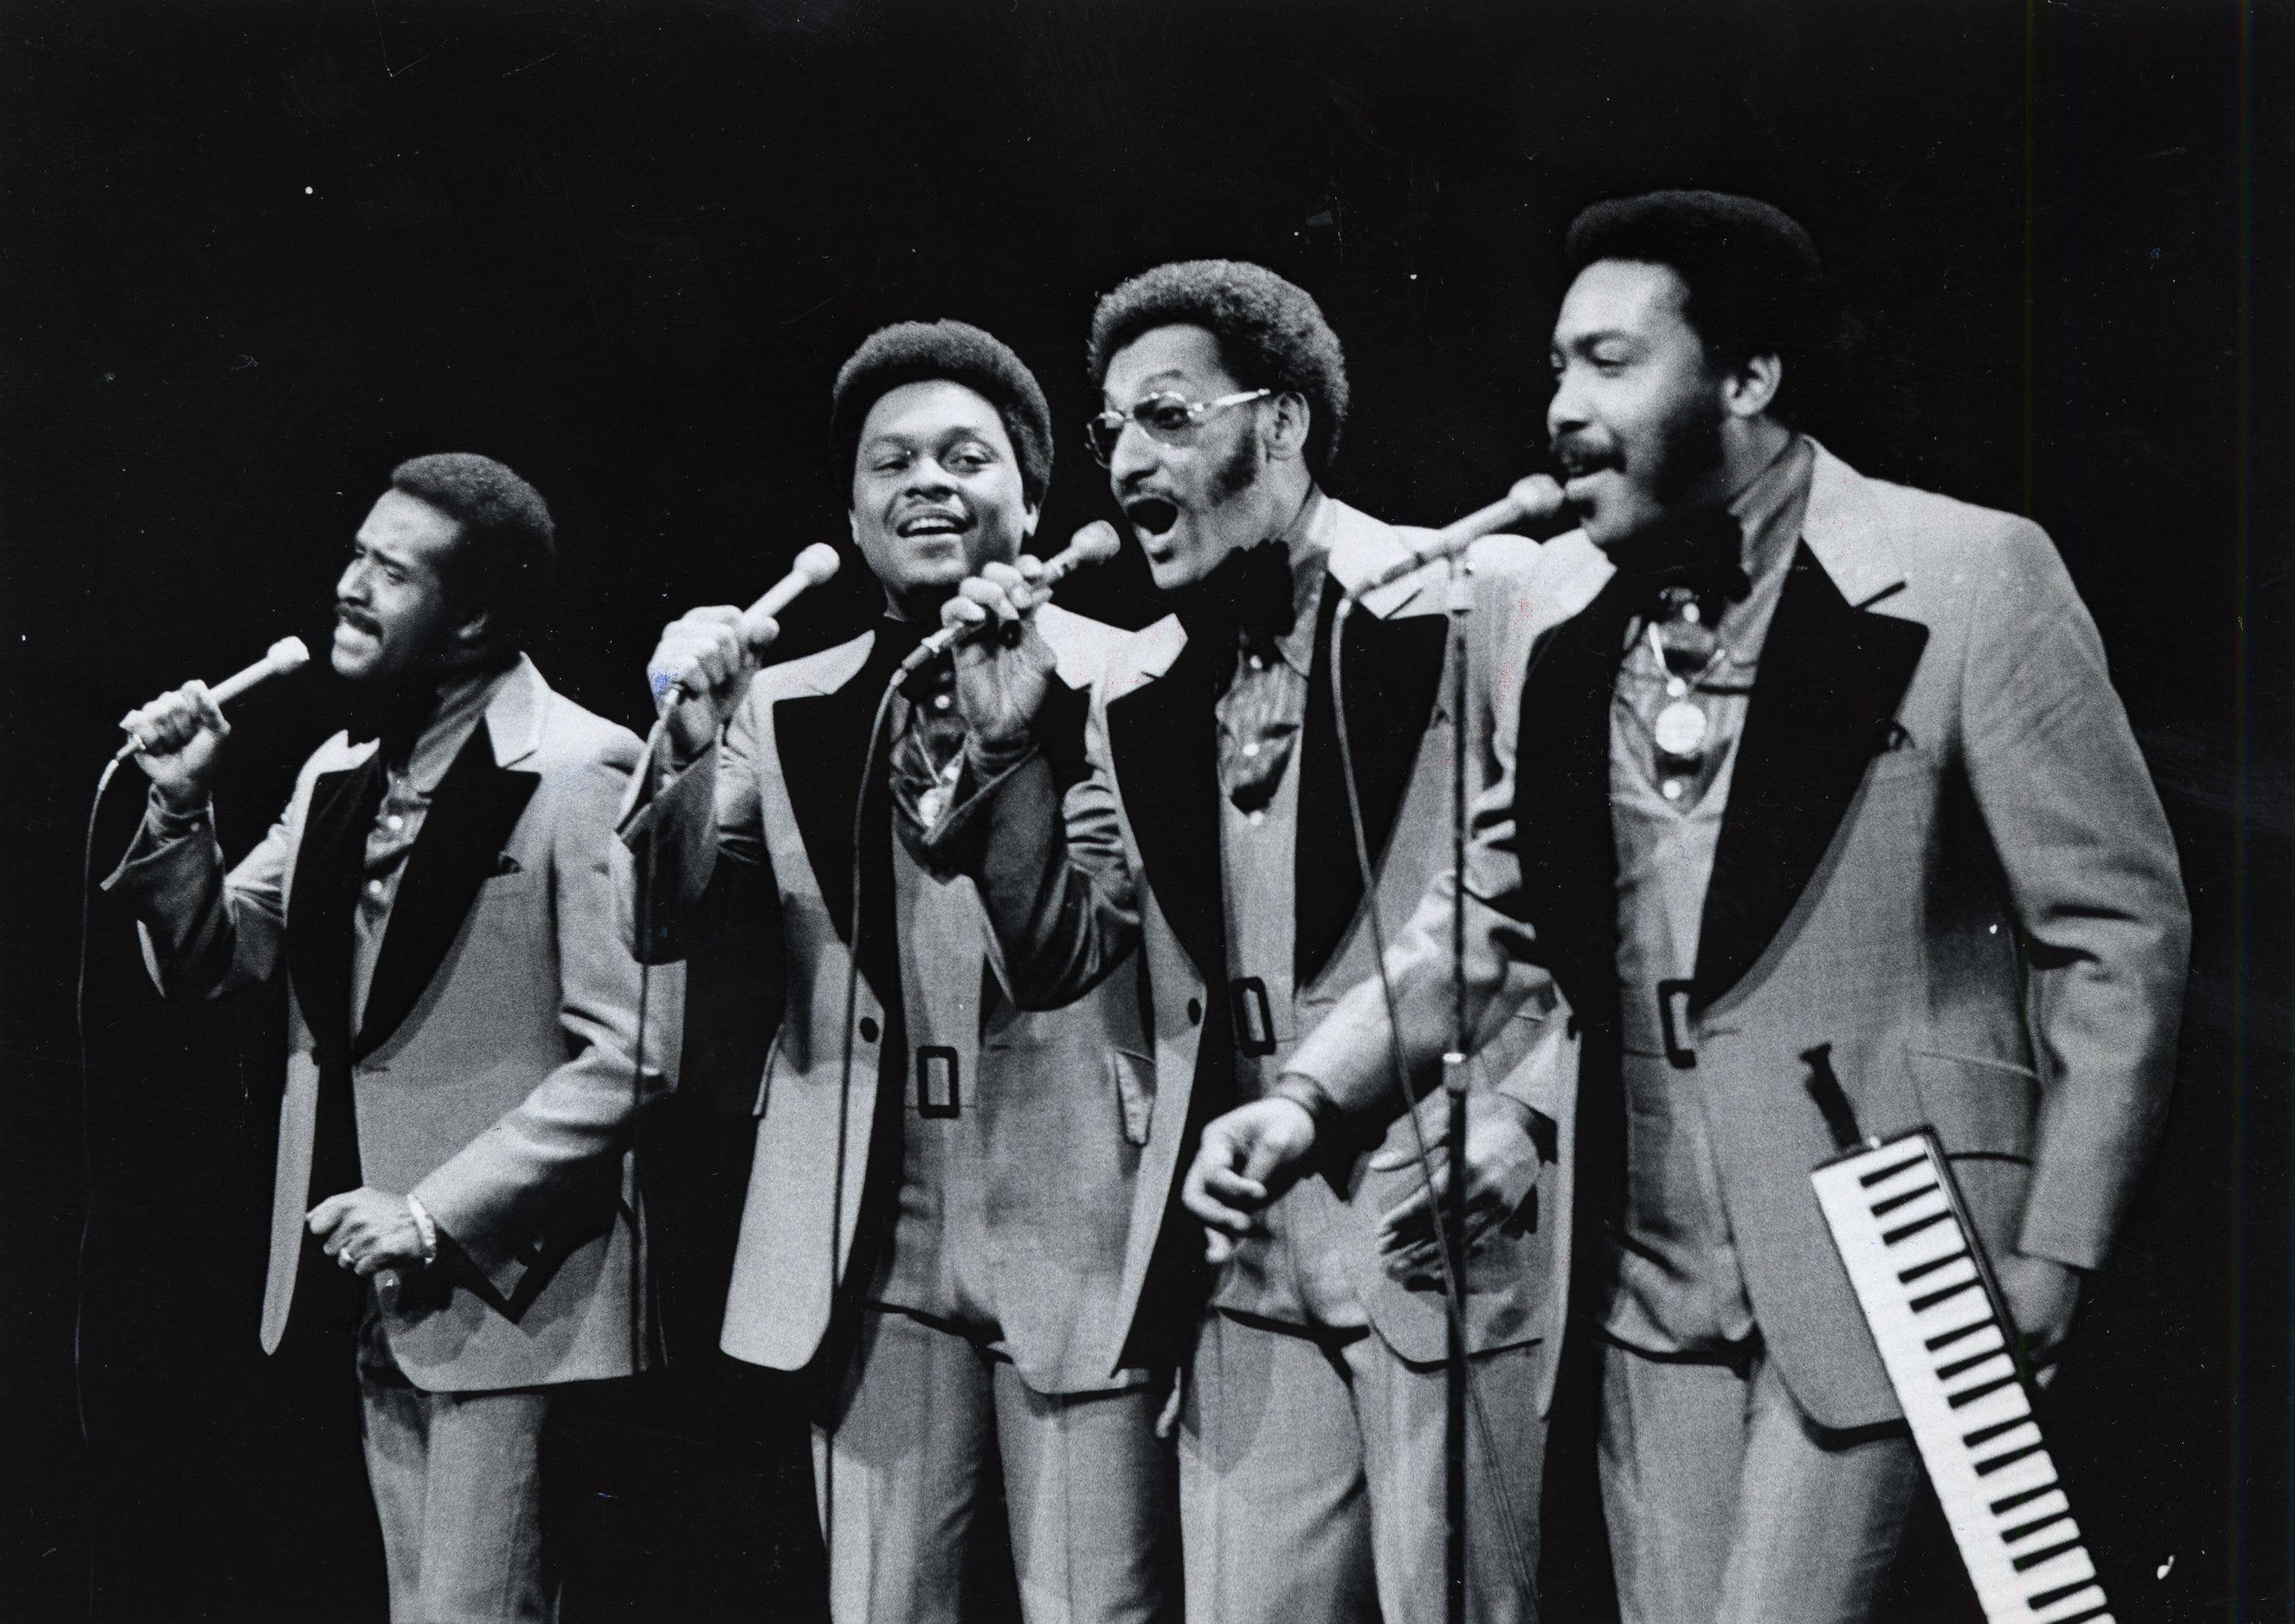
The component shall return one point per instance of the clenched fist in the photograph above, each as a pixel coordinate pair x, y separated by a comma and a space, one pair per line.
178, 736
1002, 681
705, 648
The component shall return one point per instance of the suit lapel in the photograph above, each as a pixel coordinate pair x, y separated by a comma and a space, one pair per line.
470, 818
1164, 742
1562, 800
1393, 670
820, 738
325, 895
1829, 683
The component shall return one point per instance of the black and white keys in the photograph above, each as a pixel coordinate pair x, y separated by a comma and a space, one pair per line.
1944, 1337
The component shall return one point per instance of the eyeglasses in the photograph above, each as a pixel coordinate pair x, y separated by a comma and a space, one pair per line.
1170, 418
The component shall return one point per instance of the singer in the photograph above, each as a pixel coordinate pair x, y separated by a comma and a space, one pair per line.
1814, 760
452, 1150
1311, 1434
944, 1178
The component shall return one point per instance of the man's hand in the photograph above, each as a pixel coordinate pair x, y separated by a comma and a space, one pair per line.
178, 734
1247, 1159
2042, 1294
999, 689
708, 642
368, 1230
1501, 1171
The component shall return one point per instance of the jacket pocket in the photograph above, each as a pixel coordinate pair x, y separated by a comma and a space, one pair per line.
1982, 1111
1133, 1076
1978, 1106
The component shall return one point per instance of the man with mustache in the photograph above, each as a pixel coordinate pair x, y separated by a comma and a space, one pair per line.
1310, 1442
1824, 781
941, 1188
462, 1023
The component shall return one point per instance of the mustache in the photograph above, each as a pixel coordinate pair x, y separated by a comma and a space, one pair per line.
349, 614
1577, 454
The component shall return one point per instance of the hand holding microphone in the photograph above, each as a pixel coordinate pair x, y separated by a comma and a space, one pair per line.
174, 737
701, 668
1003, 668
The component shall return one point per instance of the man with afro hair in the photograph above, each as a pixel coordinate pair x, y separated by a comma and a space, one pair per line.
943, 1178
1312, 1426
452, 1198
1820, 806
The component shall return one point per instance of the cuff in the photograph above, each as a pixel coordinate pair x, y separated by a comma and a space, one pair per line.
169, 820
1307, 1095
427, 1227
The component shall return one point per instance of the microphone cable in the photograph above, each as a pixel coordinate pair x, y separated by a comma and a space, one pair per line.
1454, 1300
87, 1174
643, 926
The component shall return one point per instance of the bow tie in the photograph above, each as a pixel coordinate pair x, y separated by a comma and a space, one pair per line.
1701, 554
1247, 604
394, 714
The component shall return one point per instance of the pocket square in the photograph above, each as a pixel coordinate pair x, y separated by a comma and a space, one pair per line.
505, 863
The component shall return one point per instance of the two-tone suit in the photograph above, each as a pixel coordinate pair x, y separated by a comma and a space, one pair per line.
941, 1187
1310, 1437
1940, 856
489, 1075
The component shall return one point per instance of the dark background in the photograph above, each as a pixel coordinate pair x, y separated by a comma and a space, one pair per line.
255, 254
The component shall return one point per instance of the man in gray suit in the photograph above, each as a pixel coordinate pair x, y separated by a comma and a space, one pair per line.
1310, 1439
941, 1188
462, 1021
1821, 770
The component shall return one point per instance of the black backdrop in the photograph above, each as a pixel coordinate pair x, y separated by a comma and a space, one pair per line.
254, 254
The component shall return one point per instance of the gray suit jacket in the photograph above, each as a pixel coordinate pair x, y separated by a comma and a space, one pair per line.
1942, 856
1064, 1096
492, 1073
1150, 743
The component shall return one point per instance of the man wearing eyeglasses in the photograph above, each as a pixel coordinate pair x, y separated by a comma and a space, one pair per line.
1311, 1429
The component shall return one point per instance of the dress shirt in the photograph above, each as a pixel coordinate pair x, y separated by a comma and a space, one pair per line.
1677, 1285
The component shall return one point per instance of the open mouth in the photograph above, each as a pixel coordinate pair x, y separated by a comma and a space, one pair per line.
932, 524
1578, 464
1151, 515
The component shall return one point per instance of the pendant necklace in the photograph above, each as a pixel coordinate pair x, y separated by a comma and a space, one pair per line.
1680, 728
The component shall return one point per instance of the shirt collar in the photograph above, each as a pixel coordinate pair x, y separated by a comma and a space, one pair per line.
1309, 541
461, 706
1768, 510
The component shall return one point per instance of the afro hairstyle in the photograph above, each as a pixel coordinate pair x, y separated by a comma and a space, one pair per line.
1753, 281
955, 352
505, 552
1271, 336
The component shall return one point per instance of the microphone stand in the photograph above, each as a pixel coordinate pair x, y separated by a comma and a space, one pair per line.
1454, 1086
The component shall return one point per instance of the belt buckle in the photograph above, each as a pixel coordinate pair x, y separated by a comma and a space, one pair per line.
1677, 1054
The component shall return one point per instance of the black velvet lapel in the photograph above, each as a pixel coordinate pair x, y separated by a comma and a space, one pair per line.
1393, 673
821, 737
1830, 680
1163, 738
476, 806
319, 909
1562, 800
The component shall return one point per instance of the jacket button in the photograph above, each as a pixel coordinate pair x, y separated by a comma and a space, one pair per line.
1194, 1012
868, 1029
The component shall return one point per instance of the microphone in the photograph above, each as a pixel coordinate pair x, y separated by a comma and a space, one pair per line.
1538, 497
288, 654
1095, 543
810, 567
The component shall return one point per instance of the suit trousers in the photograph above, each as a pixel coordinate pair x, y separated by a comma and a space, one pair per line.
457, 1486
928, 1412
1311, 1478
1727, 1506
